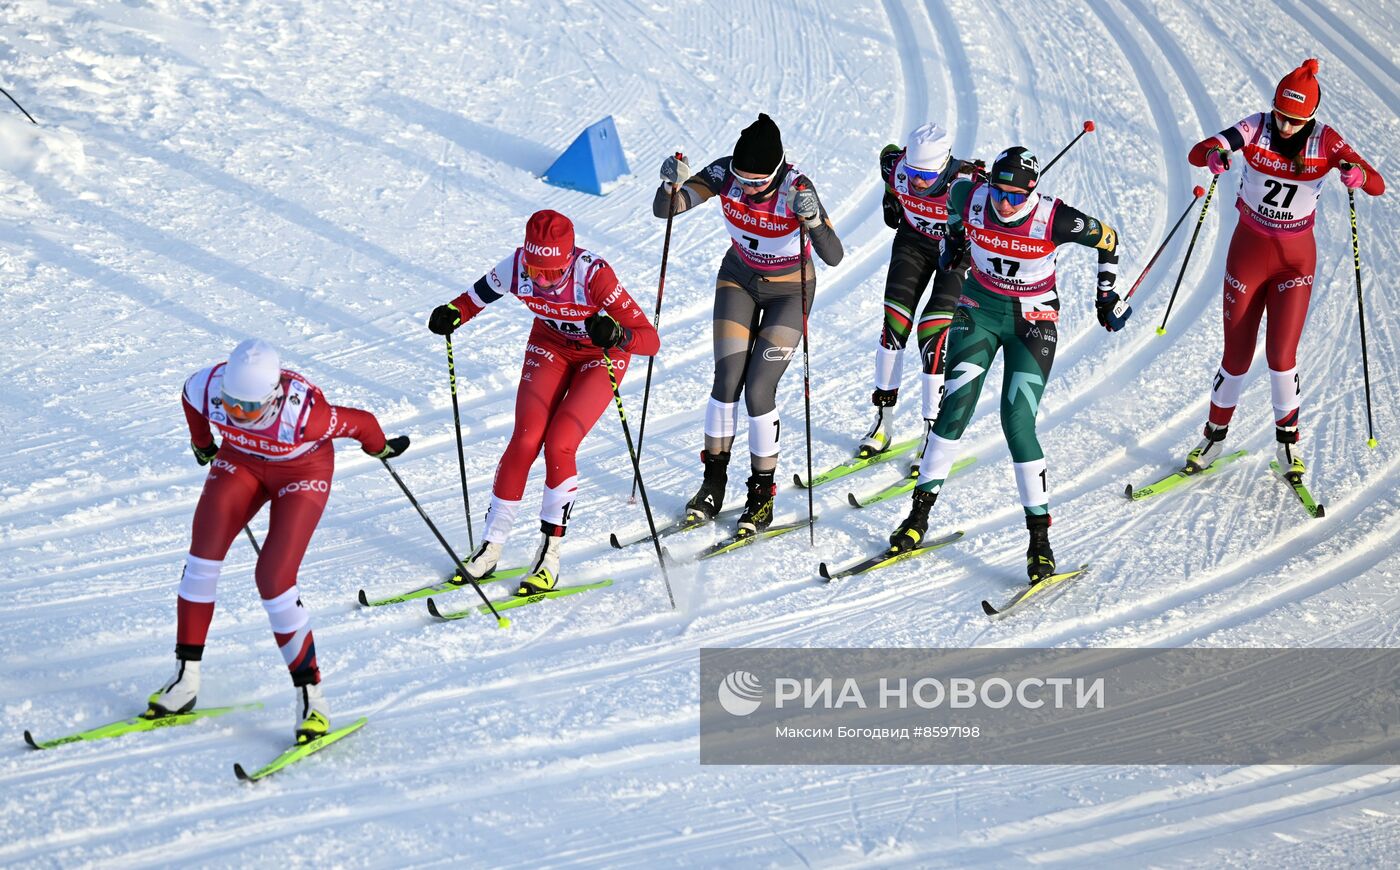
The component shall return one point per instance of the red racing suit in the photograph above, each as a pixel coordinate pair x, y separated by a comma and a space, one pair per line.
288, 463
564, 382
1273, 254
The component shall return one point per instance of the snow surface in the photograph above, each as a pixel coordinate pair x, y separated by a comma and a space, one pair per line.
323, 173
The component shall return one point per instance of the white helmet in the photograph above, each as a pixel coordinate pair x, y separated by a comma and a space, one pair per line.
252, 381
928, 148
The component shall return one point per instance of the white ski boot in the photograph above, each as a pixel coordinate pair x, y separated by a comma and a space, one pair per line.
480, 565
178, 693
1289, 462
312, 714
1209, 450
545, 576
877, 440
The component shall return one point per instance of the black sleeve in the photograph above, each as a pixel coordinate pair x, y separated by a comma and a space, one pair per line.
1234, 137
892, 211
1072, 226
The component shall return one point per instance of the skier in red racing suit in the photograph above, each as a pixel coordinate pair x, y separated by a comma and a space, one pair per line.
1287, 157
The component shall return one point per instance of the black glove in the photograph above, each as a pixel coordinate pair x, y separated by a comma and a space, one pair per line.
893, 211
1113, 312
204, 455
952, 253
444, 319
393, 447
606, 333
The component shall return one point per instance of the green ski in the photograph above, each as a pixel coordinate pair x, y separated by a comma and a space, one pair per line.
1300, 489
139, 723
298, 752
518, 601
904, 484
857, 463
445, 586
1038, 592
743, 539
887, 558
1177, 478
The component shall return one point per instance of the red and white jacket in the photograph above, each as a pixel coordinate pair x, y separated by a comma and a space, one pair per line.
1274, 196
305, 421
589, 287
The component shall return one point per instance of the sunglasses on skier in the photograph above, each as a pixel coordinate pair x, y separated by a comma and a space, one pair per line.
757, 182
1008, 197
245, 412
1286, 122
925, 176
545, 277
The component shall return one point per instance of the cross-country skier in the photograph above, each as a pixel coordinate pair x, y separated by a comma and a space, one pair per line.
581, 314
1273, 255
1009, 302
276, 429
917, 179
758, 313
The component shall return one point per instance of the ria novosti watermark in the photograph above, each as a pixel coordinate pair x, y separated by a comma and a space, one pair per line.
1036, 706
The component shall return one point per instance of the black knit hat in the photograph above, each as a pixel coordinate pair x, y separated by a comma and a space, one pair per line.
760, 147
1015, 167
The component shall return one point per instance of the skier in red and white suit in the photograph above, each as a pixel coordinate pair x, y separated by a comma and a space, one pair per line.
277, 429
581, 313
1273, 255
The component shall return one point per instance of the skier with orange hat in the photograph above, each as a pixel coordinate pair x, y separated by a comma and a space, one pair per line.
581, 314
1273, 255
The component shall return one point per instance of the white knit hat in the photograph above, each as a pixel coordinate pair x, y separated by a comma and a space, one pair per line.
928, 148
254, 371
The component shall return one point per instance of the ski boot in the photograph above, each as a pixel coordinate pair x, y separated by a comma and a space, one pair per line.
911, 532
545, 576
1289, 462
707, 502
1209, 450
178, 693
480, 565
758, 510
312, 713
1040, 559
877, 440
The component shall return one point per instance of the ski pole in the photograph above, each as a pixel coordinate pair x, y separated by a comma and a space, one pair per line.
1361, 314
1205, 206
18, 106
461, 459
637, 471
1088, 128
1197, 191
655, 321
252, 540
501, 621
806, 377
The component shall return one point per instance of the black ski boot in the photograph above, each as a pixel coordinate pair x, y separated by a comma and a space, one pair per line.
1040, 559
707, 502
911, 532
758, 509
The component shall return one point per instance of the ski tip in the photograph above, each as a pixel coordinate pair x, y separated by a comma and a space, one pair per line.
29, 738
821, 569
1128, 492
1321, 512
797, 482
364, 599
988, 609
242, 774
612, 539
432, 608
851, 497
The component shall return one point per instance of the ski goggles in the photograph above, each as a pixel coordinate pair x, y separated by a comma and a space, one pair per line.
545, 277
758, 182
245, 412
1287, 121
1005, 196
925, 177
